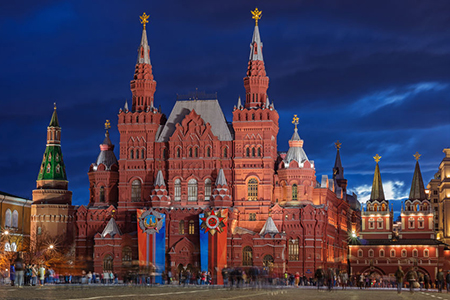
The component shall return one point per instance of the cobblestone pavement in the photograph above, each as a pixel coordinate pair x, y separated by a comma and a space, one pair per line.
84, 292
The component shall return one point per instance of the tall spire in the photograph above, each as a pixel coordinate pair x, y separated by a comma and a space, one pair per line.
377, 186
338, 170
143, 86
417, 187
256, 83
54, 120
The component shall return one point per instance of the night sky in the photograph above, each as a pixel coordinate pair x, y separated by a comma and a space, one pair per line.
374, 75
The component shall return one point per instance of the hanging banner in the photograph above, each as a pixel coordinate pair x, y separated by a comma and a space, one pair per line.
152, 242
213, 242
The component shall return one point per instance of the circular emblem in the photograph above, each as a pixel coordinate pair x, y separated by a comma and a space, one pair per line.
212, 222
150, 221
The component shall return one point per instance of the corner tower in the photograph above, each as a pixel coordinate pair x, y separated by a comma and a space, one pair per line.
52, 211
255, 144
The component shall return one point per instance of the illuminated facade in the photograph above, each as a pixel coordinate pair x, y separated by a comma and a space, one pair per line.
193, 162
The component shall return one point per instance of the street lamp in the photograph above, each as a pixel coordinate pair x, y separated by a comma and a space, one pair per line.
352, 240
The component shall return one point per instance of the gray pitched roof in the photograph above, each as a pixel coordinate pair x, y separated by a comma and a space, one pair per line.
106, 157
145, 58
256, 55
269, 227
295, 152
209, 110
111, 228
417, 187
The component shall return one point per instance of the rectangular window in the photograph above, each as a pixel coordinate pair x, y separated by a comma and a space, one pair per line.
293, 249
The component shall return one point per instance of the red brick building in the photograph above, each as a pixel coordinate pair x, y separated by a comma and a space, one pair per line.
380, 249
194, 161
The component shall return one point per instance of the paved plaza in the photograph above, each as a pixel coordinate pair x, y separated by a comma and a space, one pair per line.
82, 292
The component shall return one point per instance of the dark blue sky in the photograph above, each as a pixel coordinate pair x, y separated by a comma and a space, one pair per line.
374, 75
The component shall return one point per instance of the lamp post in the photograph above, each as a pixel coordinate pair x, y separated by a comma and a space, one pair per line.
352, 240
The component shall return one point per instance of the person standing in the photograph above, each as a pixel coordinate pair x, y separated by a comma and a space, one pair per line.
344, 279
399, 274
34, 274
18, 265
319, 277
42, 274
426, 281
440, 280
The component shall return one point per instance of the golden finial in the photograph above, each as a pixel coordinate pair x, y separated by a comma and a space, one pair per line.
338, 144
256, 15
295, 121
417, 156
144, 19
54, 105
107, 125
377, 158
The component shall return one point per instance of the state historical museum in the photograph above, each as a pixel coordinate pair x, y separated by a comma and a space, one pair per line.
192, 190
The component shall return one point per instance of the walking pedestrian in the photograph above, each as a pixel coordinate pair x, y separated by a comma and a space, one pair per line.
440, 280
399, 274
18, 265
411, 276
319, 276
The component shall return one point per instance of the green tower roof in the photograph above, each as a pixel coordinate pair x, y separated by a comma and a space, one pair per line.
52, 167
54, 121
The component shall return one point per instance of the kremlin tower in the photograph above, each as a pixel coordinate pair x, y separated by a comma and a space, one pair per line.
52, 210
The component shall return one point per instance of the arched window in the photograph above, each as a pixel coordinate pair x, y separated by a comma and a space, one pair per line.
192, 190
252, 190
142, 153
360, 253
415, 253
131, 154
293, 249
8, 218
225, 152
247, 256
253, 152
177, 194
383, 207
252, 217
15, 219
102, 194
190, 152
7, 247
392, 253
195, 152
380, 223
370, 253
268, 261
181, 227
375, 207
381, 253
404, 253
411, 222
371, 223
137, 153
208, 151
178, 152
191, 227
136, 190
259, 151
294, 192
127, 254
58, 168
426, 253
164, 153
421, 222
247, 152
207, 189
108, 263
13, 247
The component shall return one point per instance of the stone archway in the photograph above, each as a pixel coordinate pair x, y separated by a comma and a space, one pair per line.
268, 261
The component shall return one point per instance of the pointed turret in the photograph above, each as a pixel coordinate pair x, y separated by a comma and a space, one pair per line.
160, 196
377, 186
296, 151
340, 183
111, 228
106, 156
143, 86
52, 167
221, 193
269, 227
239, 104
125, 107
52, 174
256, 83
417, 187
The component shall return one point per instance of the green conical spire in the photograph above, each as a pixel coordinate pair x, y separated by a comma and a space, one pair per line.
377, 185
52, 167
54, 121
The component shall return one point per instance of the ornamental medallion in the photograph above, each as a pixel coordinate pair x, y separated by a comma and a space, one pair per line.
150, 221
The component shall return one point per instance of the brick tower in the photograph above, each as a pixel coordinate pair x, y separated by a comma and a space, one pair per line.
52, 211
255, 146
